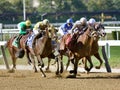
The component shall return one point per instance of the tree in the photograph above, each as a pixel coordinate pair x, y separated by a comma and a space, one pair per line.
77, 5
97, 5
6, 6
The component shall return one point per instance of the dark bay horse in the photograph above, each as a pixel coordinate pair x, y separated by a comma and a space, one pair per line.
17, 52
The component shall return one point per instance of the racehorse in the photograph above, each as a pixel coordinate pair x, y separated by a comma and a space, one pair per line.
81, 47
41, 48
17, 52
95, 47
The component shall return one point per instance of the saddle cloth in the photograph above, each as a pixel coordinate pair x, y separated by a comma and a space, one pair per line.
30, 40
14, 43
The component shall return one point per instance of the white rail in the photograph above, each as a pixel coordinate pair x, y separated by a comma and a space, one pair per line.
107, 44
107, 29
110, 29
2, 44
110, 42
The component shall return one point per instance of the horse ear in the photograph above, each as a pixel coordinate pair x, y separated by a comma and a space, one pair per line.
95, 27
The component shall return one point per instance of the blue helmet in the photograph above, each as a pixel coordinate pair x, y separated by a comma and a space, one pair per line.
69, 20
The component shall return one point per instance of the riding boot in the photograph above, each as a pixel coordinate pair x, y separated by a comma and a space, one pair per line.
18, 40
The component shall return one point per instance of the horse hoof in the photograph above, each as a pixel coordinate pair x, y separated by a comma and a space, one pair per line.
61, 71
11, 71
87, 69
71, 76
42, 65
97, 67
57, 73
47, 69
35, 71
71, 71
30, 63
43, 75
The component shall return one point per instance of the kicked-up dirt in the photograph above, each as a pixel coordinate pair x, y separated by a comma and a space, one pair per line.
28, 80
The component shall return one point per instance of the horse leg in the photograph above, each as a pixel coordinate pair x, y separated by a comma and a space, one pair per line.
97, 55
40, 65
91, 64
56, 59
67, 63
12, 53
28, 57
54, 62
14, 62
33, 62
75, 68
84, 61
61, 63
48, 64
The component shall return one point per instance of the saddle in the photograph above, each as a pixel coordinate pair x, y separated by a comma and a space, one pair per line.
16, 41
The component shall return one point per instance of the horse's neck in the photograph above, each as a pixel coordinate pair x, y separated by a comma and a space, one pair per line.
85, 38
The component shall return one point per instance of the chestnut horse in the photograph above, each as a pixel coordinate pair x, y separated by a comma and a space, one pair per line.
95, 47
82, 46
17, 52
94, 51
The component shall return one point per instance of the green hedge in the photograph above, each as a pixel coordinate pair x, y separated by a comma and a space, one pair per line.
114, 34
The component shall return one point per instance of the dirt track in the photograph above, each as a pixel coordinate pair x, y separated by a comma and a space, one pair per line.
28, 80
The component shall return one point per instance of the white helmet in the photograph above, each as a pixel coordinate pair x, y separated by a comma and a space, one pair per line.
83, 20
46, 22
92, 21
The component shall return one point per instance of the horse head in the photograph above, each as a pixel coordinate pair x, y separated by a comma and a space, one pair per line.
100, 29
53, 32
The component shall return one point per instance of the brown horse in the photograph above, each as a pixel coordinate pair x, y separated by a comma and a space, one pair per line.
17, 52
94, 51
95, 47
41, 48
81, 46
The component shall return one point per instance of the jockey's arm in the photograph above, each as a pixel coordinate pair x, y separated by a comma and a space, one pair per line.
74, 27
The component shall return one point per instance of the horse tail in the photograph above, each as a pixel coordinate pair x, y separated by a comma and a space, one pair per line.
9, 42
20, 53
6, 45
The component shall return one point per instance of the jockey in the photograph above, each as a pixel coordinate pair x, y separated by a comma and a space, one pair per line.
24, 26
66, 27
41, 25
37, 27
80, 25
23, 29
91, 21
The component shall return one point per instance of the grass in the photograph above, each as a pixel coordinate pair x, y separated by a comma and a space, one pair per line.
114, 59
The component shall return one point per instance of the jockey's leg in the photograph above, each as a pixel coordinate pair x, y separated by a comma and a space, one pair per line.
18, 40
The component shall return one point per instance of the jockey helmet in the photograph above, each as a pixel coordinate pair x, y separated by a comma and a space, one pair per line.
92, 21
69, 20
28, 23
83, 20
46, 22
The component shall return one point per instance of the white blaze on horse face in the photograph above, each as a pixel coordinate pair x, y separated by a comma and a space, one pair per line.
102, 32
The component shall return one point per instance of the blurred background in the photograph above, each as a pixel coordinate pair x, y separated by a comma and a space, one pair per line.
15, 11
